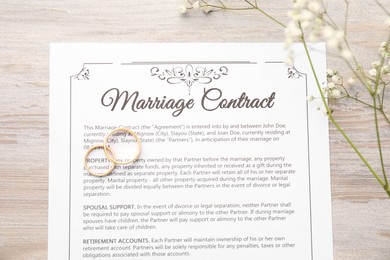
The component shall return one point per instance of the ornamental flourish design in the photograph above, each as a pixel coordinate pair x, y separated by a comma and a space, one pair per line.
83, 74
293, 73
189, 75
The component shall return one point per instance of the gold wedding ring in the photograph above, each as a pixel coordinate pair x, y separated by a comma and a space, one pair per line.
88, 168
110, 154
111, 157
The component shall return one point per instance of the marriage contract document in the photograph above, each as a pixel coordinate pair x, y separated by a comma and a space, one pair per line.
234, 160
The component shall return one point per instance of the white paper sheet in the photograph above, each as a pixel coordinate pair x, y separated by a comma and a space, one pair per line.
234, 161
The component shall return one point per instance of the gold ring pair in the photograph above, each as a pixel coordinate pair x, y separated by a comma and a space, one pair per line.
110, 154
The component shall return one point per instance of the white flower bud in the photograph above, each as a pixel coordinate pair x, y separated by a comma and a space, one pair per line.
292, 30
196, 5
387, 22
299, 4
182, 9
313, 6
331, 85
372, 72
352, 81
329, 72
385, 69
207, 9
309, 98
375, 64
336, 93
306, 15
346, 54
333, 43
305, 24
328, 32
336, 78
339, 35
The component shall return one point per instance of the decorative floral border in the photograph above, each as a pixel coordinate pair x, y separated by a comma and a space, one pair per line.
189, 75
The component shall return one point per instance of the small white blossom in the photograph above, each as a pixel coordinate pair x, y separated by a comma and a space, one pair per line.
352, 81
387, 21
306, 15
339, 35
385, 69
336, 78
375, 64
372, 72
336, 93
293, 31
333, 43
299, 4
329, 72
207, 9
196, 5
305, 24
384, 49
294, 15
328, 32
370, 83
182, 9
331, 85
309, 98
313, 6
346, 54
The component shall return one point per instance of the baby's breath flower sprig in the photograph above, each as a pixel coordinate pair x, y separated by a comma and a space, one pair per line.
219, 5
208, 7
343, 88
309, 19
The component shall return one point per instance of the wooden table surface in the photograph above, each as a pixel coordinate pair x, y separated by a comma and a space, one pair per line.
361, 211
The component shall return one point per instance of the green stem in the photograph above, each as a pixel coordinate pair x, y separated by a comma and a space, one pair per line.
383, 97
222, 3
224, 7
264, 13
227, 8
253, 7
385, 116
346, 17
333, 23
386, 186
337, 125
374, 97
382, 7
360, 101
